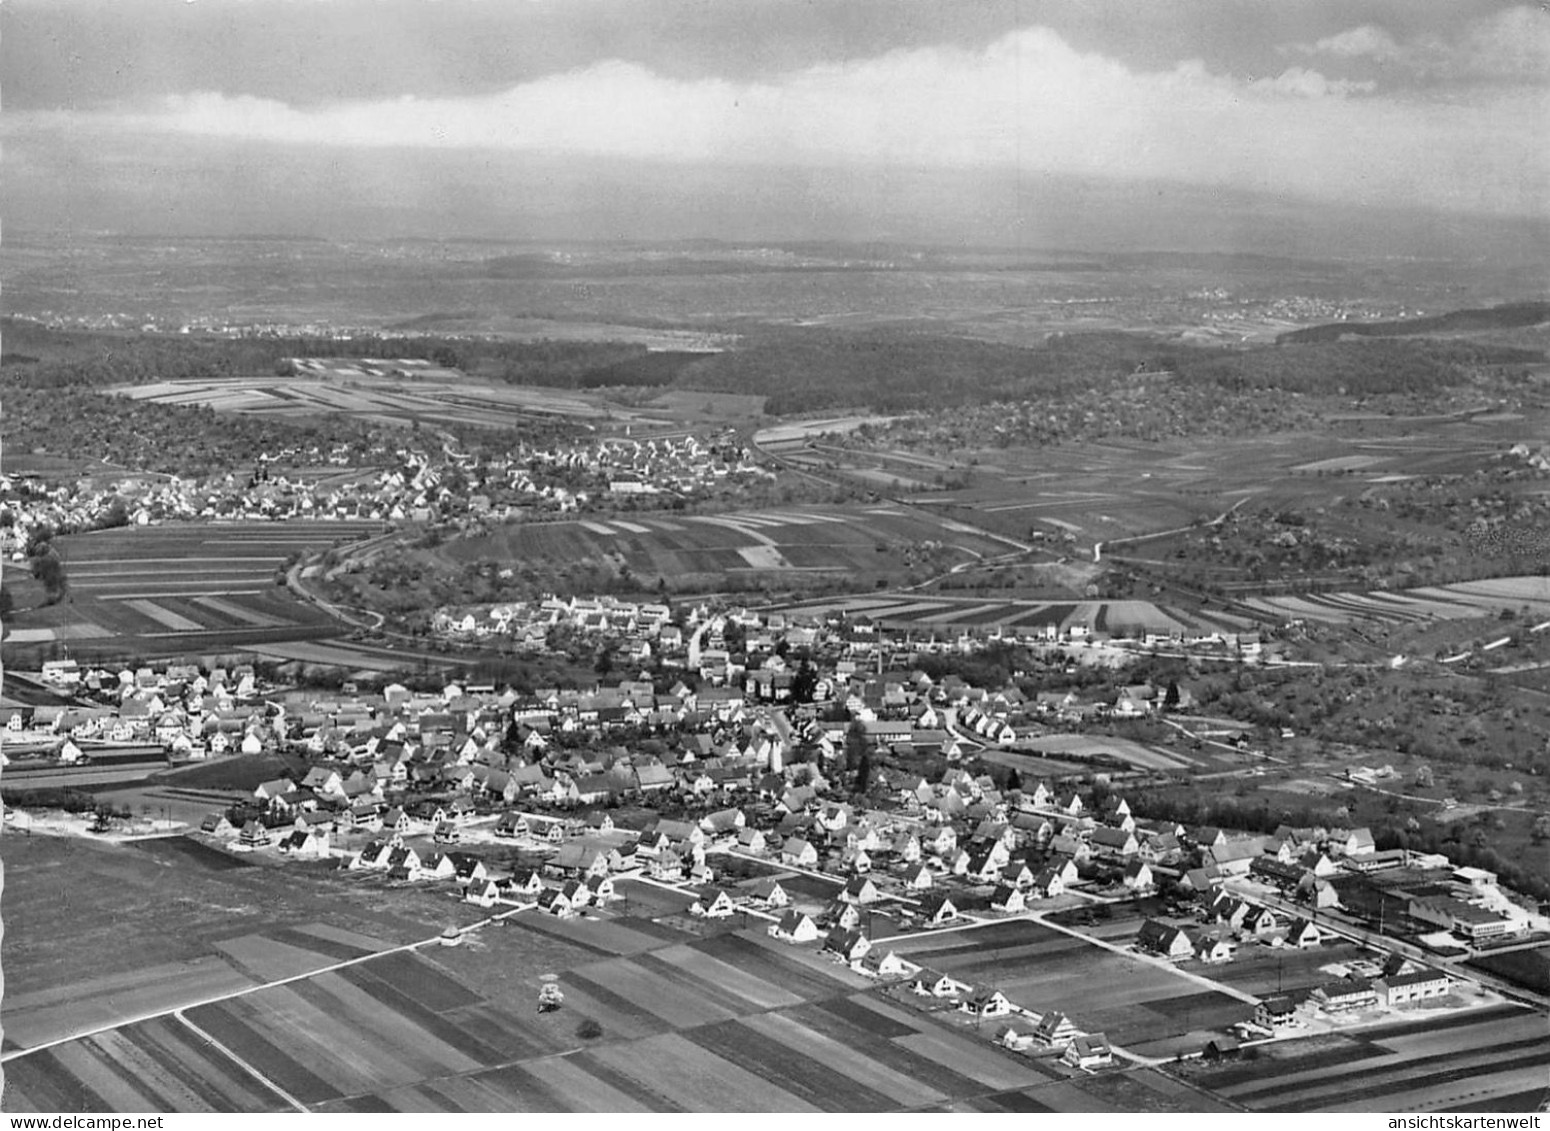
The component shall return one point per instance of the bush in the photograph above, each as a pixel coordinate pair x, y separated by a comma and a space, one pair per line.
589, 1030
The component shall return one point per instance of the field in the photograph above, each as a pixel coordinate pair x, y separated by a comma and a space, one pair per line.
1144, 502
730, 1022
176, 588
654, 1019
932, 611
1141, 1006
855, 543
435, 396
1119, 749
1464, 600
1493, 1059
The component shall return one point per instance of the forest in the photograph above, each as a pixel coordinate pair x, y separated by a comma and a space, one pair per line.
1507, 317
799, 369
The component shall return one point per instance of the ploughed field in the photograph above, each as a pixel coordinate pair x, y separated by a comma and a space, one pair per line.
1494, 1059
848, 541
1462, 600
931, 611
177, 587
264, 988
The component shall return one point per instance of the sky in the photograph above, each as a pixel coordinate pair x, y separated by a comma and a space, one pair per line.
1040, 122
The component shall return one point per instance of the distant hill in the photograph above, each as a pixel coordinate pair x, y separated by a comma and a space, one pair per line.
1509, 317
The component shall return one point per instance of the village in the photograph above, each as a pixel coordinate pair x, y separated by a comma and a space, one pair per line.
839, 809
389, 483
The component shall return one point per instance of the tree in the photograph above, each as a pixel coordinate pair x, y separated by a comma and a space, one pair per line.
49, 568
604, 664
803, 683
1423, 776
1541, 829
863, 773
1171, 696
856, 744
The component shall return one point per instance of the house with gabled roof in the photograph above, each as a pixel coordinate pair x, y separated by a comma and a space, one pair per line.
1304, 933
860, 889
937, 908
985, 1001
1161, 938
934, 983
1345, 994
849, 943
1138, 875
1048, 884
267, 791
1054, 1030
1115, 842
800, 851
1008, 898
1089, 1051
582, 857
667, 866
768, 891
313, 843
795, 926
483, 893
714, 904
1215, 946
525, 883
1260, 921
554, 902
1275, 1012
884, 964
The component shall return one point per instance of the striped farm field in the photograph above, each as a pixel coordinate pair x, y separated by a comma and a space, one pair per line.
856, 540
314, 1008
1464, 599
1492, 1058
929, 611
1138, 1004
159, 589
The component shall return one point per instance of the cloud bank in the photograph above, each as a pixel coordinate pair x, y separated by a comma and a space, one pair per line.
1027, 103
